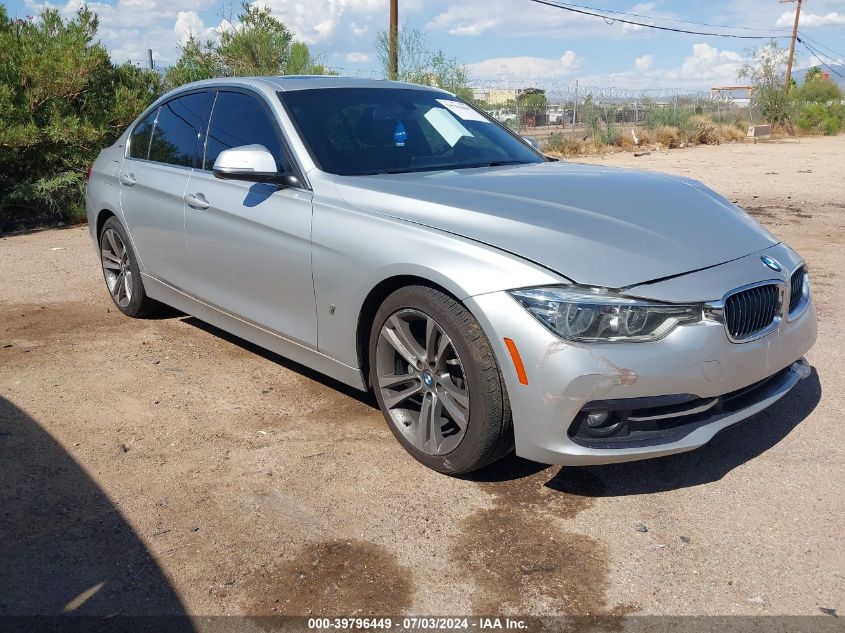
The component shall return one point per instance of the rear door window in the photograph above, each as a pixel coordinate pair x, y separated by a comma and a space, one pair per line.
179, 130
239, 119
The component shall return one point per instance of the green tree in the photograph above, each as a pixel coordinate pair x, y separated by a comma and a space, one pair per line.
812, 74
419, 65
818, 91
302, 62
260, 45
61, 101
197, 60
766, 73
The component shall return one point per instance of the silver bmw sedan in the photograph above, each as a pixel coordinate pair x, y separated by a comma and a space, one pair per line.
395, 238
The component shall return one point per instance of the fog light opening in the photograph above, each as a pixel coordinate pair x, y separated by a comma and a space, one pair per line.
602, 423
597, 418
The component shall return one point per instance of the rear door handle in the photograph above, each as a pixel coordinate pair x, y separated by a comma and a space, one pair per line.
196, 201
128, 180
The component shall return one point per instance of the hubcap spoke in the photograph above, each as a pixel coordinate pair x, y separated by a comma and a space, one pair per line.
459, 395
107, 254
389, 380
456, 411
127, 285
402, 340
114, 242
393, 399
432, 337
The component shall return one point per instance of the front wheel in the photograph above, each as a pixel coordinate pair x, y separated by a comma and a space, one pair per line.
437, 381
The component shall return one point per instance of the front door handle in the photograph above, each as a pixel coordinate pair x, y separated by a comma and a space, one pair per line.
196, 201
128, 180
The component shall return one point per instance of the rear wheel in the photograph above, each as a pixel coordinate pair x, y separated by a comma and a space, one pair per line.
437, 381
121, 271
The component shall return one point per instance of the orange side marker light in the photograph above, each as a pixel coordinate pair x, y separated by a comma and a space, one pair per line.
517, 362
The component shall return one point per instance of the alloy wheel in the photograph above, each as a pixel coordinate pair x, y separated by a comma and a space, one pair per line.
422, 382
116, 267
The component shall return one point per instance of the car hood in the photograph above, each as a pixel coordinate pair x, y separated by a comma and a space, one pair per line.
594, 225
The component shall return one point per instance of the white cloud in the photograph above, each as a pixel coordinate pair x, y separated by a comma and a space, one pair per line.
525, 67
344, 23
356, 57
643, 63
129, 27
834, 18
190, 23
707, 67
708, 63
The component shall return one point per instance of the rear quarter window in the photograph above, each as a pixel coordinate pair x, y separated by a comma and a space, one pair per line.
139, 141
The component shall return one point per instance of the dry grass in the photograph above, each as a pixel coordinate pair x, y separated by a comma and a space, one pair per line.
732, 133
703, 131
668, 136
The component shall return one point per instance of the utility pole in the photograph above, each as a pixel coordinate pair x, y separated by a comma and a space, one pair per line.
393, 35
792, 45
150, 58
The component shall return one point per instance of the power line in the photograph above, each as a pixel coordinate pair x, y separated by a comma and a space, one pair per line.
611, 20
819, 57
820, 45
829, 7
664, 19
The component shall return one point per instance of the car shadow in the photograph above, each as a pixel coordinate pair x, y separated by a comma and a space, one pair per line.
727, 450
364, 397
66, 550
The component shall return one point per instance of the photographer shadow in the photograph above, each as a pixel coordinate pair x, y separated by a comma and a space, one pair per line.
66, 550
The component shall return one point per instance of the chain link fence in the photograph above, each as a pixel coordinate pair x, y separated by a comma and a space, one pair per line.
582, 111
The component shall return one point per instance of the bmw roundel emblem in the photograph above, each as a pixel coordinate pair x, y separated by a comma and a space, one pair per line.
772, 263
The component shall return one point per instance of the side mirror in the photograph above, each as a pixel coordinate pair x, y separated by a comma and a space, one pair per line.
251, 163
533, 142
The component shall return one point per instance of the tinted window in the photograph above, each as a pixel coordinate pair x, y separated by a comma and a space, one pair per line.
240, 119
139, 142
178, 130
355, 131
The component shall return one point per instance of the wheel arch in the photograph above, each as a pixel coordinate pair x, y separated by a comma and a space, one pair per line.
102, 216
373, 302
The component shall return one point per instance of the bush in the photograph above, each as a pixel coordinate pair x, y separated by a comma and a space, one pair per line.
668, 136
816, 118
818, 91
667, 117
704, 131
61, 101
564, 145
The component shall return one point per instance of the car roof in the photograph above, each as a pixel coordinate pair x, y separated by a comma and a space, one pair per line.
289, 83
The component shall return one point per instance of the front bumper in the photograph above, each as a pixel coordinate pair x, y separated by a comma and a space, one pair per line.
698, 360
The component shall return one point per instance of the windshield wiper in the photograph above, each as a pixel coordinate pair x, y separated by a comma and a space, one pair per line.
406, 170
498, 163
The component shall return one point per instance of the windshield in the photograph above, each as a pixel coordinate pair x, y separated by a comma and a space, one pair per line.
360, 131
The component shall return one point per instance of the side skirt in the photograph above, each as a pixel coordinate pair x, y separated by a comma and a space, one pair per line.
296, 352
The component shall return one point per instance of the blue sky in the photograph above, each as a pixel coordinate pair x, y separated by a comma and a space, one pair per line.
497, 39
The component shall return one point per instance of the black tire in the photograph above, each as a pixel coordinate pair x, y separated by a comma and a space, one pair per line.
489, 430
140, 305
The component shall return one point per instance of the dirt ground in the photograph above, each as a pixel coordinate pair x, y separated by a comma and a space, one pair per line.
162, 466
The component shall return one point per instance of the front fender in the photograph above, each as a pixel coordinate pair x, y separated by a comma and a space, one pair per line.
353, 251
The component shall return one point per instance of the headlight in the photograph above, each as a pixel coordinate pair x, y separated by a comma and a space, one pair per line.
591, 316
